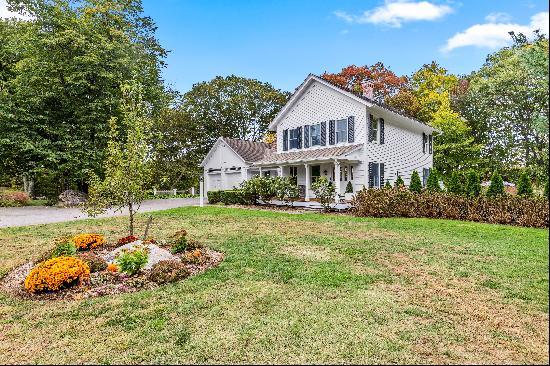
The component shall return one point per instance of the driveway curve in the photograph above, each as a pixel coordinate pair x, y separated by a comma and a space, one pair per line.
36, 215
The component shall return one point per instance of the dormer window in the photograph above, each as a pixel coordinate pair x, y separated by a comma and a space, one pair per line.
315, 135
293, 136
341, 130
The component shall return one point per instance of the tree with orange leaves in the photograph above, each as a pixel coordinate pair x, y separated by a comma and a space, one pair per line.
384, 81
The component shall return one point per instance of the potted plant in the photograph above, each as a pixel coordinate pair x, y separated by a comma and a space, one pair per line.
349, 192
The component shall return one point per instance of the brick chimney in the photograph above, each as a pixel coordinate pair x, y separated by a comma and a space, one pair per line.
368, 89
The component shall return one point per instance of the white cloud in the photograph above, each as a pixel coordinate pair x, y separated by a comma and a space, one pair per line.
5, 13
494, 34
395, 12
498, 17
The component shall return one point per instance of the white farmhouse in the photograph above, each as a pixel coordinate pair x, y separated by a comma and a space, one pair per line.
325, 130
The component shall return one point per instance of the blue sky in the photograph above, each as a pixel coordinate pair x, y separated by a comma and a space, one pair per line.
282, 41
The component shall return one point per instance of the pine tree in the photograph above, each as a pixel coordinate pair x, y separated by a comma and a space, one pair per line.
416, 184
399, 182
497, 185
433, 181
473, 184
453, 184
525, 189
388, 184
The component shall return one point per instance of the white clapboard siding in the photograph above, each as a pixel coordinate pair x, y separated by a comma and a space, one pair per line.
322, 103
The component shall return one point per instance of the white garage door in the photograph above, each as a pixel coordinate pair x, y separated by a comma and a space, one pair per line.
214, 182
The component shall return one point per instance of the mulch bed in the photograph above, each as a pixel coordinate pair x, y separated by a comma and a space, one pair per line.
100, 284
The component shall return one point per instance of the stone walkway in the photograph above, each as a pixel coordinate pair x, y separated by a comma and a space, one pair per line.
35, 215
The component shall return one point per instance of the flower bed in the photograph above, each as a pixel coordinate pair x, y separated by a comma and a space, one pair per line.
100, 268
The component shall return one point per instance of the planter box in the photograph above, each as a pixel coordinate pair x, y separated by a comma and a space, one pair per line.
348, 196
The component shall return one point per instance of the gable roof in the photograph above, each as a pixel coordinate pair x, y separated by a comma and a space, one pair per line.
272, 157
356, 96
248, 151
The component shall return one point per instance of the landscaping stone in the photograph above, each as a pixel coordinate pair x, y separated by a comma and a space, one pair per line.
156, 253
70, 198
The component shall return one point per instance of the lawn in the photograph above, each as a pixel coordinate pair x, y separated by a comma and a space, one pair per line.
301, 288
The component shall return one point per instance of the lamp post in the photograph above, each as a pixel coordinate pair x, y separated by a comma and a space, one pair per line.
201, 190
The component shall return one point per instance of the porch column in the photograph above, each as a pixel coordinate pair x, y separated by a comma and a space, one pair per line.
308, 182
206, 182
280, 170
336, 178
244, 173
223, 179
260, 171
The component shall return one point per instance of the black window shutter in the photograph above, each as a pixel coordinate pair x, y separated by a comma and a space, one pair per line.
425, 173
371, 132
285, 140
300, 137
381, 130
351, 129
331, 132
306, 136
323, 133
371, 177
381, 175
430, 144
423, 142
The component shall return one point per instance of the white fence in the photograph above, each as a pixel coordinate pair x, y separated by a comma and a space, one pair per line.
157, 192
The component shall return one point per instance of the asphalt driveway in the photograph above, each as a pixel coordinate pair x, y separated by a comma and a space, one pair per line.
35, 215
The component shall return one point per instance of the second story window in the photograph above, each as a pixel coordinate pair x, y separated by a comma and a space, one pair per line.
374, 129
293, 138
315, 135
341, 130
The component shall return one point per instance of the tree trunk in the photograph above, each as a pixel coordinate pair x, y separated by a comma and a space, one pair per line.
131, 209
28, 184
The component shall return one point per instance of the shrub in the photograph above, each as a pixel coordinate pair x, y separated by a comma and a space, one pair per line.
324, 190
132, 261
453, 184
94, 261
496, 188
349, 187
546, 189
62, 247
286, 188
416, 183
232, 197
513, 210
473, 184
525, 189
88, 241
399, 183
213, 197
433, 181
258, 188
9, 198
195, 256
57, 273
388, 184
168, 271
126, 240
179, 242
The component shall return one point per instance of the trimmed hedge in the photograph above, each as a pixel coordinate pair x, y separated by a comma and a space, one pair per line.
511, 210
228, 197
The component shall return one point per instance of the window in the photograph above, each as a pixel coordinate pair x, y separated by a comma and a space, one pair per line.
267, 173
315, 135
315, 173
293, 138
294, 173
376, 174
374, 129
341, 130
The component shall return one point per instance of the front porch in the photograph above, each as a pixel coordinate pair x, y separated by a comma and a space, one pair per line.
340, 172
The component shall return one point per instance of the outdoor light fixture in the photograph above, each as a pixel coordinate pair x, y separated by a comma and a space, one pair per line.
325, 172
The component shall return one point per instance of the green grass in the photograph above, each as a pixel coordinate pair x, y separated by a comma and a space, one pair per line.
305, 288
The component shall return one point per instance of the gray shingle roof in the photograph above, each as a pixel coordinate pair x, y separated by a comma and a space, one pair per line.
272, 157
250, 151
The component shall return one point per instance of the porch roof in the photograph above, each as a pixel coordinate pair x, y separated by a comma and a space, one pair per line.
328, 153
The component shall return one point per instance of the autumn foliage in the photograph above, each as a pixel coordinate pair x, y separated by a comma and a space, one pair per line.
384, 81
56, 273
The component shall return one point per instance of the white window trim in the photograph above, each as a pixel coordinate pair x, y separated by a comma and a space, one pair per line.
336, 142
311, 135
